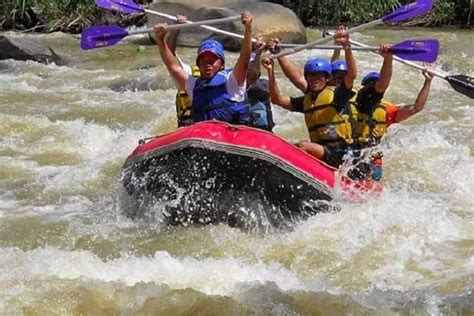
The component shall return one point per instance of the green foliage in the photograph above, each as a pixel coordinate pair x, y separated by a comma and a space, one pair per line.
331, 12
48, 15
74, 15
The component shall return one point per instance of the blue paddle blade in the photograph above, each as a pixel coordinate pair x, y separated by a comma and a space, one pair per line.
100, 36
124, 6
409, 11
417, 50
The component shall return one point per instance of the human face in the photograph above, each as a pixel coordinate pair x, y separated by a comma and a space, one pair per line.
316, 81
336, 79
209, 64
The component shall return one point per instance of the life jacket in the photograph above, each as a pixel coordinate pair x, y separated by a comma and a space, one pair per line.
258, 96
369, 128
183, 103
211, 101
326, 124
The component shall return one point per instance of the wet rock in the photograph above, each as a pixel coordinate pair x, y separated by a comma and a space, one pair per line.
271, 20
27, 49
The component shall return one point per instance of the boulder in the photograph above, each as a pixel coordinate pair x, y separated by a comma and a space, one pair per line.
270, 20
27, 49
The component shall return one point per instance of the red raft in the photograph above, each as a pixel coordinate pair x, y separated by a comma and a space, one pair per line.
215, 172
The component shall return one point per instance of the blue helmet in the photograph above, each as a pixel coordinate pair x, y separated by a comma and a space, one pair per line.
316, 65
212, 46
339, 67
373, 75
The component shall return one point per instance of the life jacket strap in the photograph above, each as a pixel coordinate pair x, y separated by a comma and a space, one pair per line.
318, 107
318, 126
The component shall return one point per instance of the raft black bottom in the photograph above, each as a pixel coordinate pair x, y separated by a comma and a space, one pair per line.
204, 185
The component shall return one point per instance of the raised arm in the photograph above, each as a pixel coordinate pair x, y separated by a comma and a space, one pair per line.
386, 71
172, 36
169, 59
407, 111
290, 70
254, 70
342, 38
275, 96
242, 64
336, 54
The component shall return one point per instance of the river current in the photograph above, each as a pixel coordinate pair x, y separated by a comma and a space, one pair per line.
66, 247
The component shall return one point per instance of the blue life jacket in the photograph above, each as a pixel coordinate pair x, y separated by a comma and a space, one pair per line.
261, 115
211, 101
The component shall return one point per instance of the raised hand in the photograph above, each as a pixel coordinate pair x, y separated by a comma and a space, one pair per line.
341, 36
273, 46
267, 63
385, 50
246, 18
181, 19
160, 30
428, 76
260, 44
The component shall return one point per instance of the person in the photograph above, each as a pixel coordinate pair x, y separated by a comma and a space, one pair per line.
218, 93
182, 101
326, 111
339, 71
373, 115
258, 95
369, 103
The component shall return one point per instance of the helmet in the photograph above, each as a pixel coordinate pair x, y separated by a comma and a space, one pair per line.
373, 75
316, 65
339, 67
212, 46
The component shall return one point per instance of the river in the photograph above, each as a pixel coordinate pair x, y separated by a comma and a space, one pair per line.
67, 249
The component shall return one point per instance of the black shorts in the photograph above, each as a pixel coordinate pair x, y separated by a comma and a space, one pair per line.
333, 156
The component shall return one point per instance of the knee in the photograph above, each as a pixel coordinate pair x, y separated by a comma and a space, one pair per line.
303, 144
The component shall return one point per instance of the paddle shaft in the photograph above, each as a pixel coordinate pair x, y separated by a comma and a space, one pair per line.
209, 28
188, 25
362, 48
327, 39
400, 60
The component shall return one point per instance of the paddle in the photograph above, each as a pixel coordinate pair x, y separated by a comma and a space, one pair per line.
128, 6
418, 50
403, 13
108, 35
460, 83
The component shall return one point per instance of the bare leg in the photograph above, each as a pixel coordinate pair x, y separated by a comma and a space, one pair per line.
313, 149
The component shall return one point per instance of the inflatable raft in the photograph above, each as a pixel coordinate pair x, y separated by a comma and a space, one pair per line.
213, 172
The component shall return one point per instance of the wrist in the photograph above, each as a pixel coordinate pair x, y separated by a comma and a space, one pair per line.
160, 41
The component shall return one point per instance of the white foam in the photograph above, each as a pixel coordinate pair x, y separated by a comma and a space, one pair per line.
210, 276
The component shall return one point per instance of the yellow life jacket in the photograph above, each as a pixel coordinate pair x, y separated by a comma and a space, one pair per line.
326, 125
369, 129
183, 103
